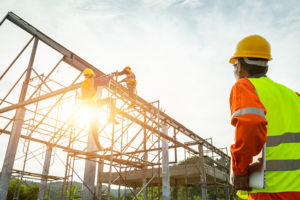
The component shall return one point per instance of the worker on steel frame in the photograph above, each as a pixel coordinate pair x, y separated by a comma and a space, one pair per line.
89, 90
130, 81
264, 112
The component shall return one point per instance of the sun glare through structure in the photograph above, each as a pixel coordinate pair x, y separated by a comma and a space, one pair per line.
84, 113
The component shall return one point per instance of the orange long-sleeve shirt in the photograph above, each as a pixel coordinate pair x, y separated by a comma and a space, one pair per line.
250, 135
250, 131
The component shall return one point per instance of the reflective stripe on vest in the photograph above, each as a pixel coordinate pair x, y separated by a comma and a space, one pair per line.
283, 165
249, 110
283, 136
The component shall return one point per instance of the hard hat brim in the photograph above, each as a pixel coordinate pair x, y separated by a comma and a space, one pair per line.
232, 60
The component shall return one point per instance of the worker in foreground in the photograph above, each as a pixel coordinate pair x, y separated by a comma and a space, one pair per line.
264, 111
89, 90
130, 81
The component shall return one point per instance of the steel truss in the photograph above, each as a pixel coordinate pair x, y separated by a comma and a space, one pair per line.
132, 155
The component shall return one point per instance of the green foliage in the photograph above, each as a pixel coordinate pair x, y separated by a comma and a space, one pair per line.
29, 192
47, 198
72, 194
193, 193
193, 159
152, 194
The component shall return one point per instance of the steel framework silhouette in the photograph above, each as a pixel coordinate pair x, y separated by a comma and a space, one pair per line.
147, 149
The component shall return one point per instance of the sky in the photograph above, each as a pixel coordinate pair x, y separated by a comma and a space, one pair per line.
178, 49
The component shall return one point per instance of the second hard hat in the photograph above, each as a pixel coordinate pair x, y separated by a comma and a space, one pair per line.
127, 67
88, 71
253, 46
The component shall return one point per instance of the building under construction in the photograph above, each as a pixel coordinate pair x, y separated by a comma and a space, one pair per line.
48, 138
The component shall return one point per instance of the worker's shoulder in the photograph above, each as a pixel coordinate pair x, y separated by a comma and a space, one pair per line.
243, 83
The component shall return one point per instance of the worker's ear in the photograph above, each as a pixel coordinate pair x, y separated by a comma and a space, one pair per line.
239, 68
241, 71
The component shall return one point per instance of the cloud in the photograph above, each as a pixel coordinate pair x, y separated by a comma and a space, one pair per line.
178, 49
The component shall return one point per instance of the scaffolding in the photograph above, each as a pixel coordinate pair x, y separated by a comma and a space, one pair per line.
148, 149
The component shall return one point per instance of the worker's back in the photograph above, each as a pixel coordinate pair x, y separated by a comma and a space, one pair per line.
283, 132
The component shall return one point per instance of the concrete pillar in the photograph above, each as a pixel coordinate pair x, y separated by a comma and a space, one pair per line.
43, 184
90, 166
16, 131
99, 179
165, 165
202, 173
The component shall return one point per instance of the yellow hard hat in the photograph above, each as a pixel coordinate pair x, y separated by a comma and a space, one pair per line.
88, 71
253, 46
127, 67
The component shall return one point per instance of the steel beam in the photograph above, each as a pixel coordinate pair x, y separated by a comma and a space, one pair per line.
91, 156
40, 98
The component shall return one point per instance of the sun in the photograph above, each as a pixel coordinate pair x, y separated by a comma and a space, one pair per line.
83, 113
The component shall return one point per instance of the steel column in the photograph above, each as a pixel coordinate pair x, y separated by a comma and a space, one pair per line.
145, 158
16, 131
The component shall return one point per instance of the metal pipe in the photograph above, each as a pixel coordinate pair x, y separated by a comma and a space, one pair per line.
145, 157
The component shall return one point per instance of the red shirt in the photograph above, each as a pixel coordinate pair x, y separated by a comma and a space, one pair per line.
250, 135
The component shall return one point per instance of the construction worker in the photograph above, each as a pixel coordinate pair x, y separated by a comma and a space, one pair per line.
89, 89
264, 112
130, 81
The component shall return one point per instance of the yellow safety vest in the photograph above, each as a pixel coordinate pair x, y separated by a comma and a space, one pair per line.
88, 91
283, 136
130, 78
